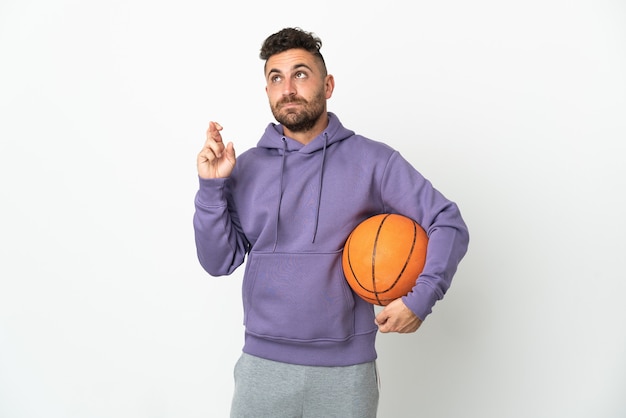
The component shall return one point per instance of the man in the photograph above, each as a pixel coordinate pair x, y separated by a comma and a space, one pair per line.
288, 206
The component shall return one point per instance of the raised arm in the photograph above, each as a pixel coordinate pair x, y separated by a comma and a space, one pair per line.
220, 242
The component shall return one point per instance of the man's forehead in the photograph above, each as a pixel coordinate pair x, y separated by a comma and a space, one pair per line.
289, 60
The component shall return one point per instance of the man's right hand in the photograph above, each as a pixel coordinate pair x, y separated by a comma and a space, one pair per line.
215, 160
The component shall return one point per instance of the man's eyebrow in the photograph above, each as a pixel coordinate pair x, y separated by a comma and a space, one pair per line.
295, 67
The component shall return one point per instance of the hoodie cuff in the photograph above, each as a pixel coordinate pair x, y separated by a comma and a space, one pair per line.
211, 192
421, 300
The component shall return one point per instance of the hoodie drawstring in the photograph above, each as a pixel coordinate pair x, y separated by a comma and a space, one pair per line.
280, 190
321, 181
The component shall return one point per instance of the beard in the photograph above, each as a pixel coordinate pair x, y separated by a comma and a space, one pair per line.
301, 120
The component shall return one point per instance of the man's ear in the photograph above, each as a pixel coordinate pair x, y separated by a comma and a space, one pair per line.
330, 85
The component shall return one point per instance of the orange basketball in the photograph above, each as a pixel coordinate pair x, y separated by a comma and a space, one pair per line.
383, 257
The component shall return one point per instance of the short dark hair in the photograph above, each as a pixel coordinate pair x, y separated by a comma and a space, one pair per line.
292, 38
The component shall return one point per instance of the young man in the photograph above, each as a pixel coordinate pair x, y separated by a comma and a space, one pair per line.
288, 205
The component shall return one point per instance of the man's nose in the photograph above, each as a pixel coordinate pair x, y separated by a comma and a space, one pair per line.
289, 87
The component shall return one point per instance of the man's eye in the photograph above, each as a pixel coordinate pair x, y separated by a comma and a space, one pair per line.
275, 79
300, 74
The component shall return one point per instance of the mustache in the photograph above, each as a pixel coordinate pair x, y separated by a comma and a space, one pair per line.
287, 100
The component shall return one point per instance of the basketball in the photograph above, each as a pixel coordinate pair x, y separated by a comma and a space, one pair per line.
383, 256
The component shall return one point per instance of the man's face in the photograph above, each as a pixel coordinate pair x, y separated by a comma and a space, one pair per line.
297, 89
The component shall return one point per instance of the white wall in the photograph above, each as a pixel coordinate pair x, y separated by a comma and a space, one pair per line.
516, 110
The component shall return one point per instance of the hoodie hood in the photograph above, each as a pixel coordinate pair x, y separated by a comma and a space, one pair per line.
274, 137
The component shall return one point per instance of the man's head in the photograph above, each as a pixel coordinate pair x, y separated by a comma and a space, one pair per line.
297, 82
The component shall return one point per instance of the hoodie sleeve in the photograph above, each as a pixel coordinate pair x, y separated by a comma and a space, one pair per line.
220, 242
407, 192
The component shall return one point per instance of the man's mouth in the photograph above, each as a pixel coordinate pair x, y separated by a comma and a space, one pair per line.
291, 103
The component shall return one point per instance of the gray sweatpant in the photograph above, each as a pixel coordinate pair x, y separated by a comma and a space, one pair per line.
269, 389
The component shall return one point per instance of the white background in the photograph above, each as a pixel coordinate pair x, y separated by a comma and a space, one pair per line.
516, 110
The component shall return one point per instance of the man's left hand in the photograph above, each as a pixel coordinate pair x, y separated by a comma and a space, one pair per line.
396, 317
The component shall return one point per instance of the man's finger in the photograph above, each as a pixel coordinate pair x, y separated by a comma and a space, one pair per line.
214, 131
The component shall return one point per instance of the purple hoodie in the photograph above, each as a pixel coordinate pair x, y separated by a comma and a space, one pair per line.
289, 209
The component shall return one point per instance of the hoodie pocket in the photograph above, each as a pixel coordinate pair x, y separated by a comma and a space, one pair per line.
297, 297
